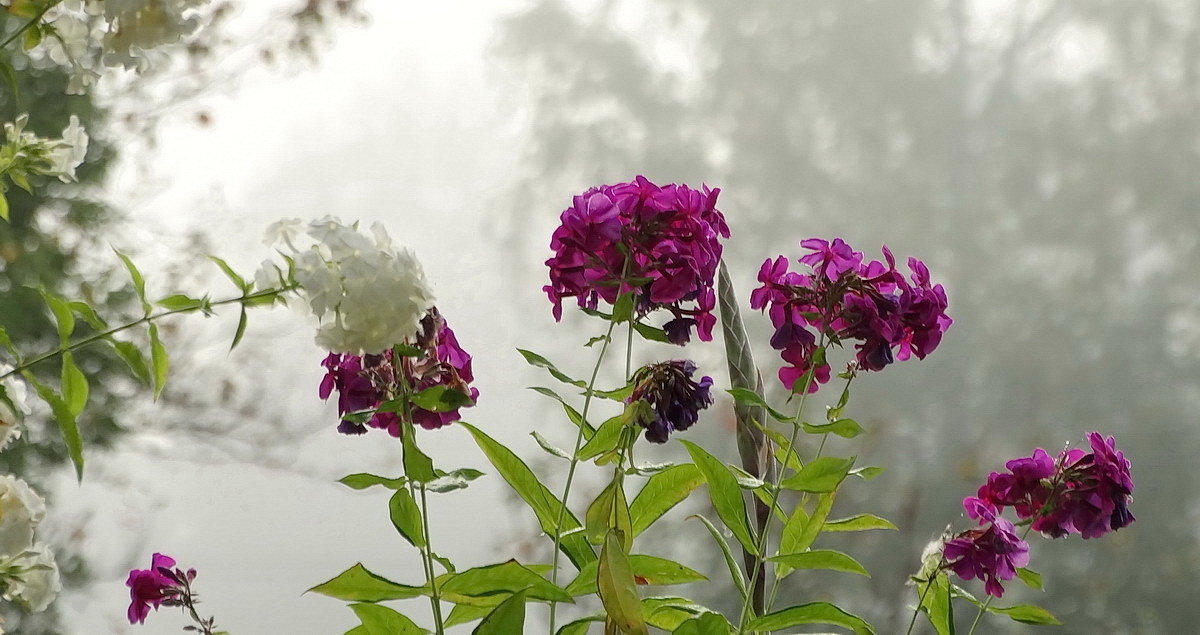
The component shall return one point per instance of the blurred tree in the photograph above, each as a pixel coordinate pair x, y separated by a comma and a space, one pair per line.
1040, 157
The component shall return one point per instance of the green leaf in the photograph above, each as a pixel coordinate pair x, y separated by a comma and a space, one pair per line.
231, 274
811, 613
934, 601
623, 309
544, 504
65, 418
133, 357
846, 428
85, 311
363, 480
650, 333
1031, 578
463, 613
31, 38
74, 385
7, 343
790, 539
158, 360
181, 302
3, 198
1027, 614
406, 517
241, 329
507, 618
668, 613
820, 475
735, 571
417, 465
139, 283
381, 620
572, 413
816, 522
596, 340
606, 438
456, 480
63, 316
662, 492
20, 179
617, 588
10, 78
725, 494
782, 453
608, 511
647, 570
550, 448
441, 398
860, 522
705, 624
747, 397
504, 578
867, 472
533, 359
822, 559
357, 584
581, 625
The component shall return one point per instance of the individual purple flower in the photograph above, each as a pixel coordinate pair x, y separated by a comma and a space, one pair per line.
991, 553
674, 397
841, 298
367, 382
149, 588
660, 243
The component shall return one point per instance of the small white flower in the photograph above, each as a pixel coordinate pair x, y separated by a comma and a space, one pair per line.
71, 43
12, 407
21, 509
68, 153
32, 579
368, 295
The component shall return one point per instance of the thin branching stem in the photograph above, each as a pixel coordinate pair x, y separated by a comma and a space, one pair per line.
32, 21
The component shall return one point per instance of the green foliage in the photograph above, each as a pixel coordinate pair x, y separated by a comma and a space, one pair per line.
357, 584
406, 518
811, 613
495, 581
618, 588
647, 570
662, 492
508, 617
821, 559
823, 474
735, 571
725, 495
381, 620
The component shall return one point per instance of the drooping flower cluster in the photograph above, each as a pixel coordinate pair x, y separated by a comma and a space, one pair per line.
366, 382
25, 154
1086, 493
659, 243
674, 398
164, 585
842, 298
28, 572
368, 294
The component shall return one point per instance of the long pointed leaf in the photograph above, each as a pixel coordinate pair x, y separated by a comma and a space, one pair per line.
725, 494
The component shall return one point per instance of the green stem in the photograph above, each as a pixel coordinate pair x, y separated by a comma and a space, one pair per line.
921, 596
25, 27
760, 559
145, 320
434, 596
562, 511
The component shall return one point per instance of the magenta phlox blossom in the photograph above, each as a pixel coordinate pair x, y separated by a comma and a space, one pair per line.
661, 243
840, 297
150, 588
991, 553
366, 382
674, 398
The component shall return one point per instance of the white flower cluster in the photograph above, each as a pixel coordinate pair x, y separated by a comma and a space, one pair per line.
88, 35
25, 153
368, 294
12, 407
28, 574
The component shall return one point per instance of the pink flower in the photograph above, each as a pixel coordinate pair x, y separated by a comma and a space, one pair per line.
149, 588
990, 554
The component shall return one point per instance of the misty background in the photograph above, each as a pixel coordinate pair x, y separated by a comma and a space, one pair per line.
1041, 158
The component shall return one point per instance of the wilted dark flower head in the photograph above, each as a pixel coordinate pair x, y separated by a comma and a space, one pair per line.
660, 243
841, 297
675, 399
365, 382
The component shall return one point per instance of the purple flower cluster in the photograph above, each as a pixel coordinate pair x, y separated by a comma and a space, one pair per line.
365, 382
1086, 493
660, 243
675, 399
991, 553
841, 297
150, 588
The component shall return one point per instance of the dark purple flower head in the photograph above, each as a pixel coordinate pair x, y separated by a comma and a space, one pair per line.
365, 382
991, 554
842, 298
660, 243
150, 588
674, 398
1092, 492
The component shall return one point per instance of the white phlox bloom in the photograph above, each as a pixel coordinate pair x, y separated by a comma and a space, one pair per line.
367, 294
69, 153
13, 407
136, 26
21, 509
32, 578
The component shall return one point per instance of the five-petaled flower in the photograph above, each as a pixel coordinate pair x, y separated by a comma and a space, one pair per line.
659, 243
